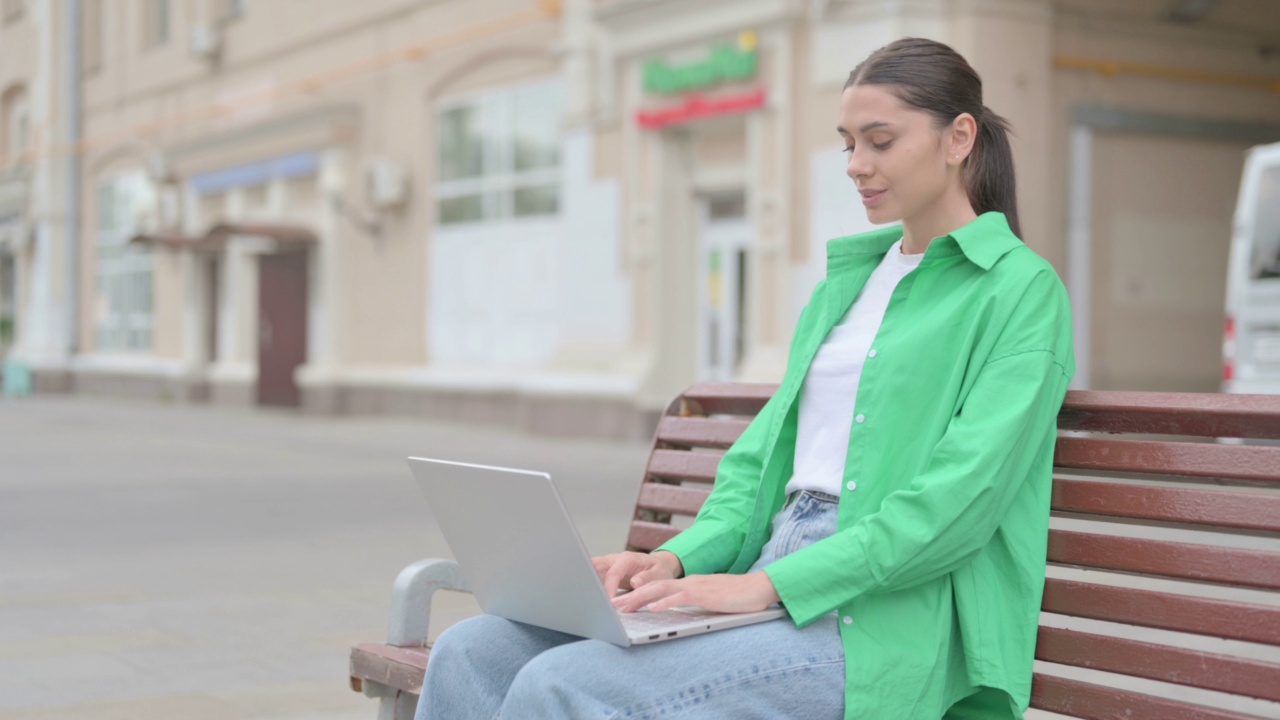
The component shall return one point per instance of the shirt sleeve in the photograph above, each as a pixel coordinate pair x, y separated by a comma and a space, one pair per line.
949, 512
716, 537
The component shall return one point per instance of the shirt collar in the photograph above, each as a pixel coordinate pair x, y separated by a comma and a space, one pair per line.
983, 241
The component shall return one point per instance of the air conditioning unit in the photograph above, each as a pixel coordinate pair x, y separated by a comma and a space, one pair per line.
386, 184
206, 40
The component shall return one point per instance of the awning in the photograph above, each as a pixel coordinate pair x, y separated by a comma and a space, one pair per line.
294, 234
169, 240
289, 236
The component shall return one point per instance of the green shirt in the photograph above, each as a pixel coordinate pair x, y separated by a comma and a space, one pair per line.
937, 565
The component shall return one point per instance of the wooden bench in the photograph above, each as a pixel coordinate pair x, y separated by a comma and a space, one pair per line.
1163, 594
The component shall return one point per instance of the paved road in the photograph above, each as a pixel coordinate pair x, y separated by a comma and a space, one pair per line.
197, 563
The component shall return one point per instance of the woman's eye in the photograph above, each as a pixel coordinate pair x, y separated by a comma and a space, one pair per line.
849, 149
882, 146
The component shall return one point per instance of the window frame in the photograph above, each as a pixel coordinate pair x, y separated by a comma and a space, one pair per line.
499, 180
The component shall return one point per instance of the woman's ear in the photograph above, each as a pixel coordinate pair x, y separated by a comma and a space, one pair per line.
961, 137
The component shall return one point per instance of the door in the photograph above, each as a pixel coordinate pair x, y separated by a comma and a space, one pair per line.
722, 286
282, 326
1161, 236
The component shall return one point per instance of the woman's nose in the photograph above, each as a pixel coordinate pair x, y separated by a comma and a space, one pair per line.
857, 166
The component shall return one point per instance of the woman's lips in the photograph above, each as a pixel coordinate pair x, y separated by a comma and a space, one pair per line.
872, 197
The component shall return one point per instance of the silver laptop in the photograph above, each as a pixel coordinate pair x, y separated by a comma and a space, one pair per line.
522, 557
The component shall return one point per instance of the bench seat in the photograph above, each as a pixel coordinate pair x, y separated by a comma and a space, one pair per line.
1162, 597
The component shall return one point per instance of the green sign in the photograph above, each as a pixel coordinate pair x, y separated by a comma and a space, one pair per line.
724, 62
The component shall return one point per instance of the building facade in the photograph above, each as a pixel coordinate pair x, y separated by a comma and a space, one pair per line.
556, 215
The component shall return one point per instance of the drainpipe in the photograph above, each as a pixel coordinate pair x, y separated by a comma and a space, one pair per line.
73, 180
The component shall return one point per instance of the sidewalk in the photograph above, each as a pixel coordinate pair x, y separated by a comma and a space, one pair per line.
188, 563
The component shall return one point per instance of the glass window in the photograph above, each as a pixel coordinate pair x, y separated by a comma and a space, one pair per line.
461, 150
499, 156
1265, 260
536, 129
537, 200
124, 272
8, 299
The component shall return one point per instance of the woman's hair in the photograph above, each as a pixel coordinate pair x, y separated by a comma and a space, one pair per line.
932, 77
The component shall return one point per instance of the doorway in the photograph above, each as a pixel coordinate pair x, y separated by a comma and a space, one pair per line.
722, 285
282, 326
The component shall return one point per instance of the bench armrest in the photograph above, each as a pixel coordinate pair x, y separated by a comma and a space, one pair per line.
411, 599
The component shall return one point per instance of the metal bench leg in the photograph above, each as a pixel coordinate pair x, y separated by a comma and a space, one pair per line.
393, 704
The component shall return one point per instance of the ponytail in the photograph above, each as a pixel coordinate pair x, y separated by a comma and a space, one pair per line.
988, 171
930, 76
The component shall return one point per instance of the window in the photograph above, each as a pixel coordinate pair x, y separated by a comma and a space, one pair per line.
15, 127
155, 28
8, 299
499, 156
1265, 260
123, 299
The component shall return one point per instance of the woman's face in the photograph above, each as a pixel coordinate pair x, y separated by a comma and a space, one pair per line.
901, 164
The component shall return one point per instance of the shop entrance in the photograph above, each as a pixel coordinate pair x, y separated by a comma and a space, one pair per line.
722, 285
282, 326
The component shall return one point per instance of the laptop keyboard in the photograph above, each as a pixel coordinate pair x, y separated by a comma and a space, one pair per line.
650, 622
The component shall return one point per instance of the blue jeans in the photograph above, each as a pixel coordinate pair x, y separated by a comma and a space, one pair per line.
486, 667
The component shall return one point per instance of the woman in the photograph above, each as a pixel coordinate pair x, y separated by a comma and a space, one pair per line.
894, 493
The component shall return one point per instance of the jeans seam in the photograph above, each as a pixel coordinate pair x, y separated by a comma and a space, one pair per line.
739, 681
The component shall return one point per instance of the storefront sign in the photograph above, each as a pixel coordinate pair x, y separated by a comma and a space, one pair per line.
723, 63
696, 107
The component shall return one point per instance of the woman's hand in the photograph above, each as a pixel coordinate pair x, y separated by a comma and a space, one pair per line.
718, 593
635, 569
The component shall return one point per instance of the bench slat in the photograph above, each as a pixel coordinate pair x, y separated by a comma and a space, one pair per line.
672, 498
1198, 414
1170, 458
728, 398
700, 432
397, 667
646, 536
1247, 511
1097, 702
1211, 671
684, 465
1166, 611
1189, 561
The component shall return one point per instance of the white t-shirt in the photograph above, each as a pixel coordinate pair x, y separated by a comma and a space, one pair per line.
831, 385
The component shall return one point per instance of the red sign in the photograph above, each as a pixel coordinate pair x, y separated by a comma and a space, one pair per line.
695, 107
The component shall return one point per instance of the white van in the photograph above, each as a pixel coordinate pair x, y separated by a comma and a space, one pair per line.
1251, 342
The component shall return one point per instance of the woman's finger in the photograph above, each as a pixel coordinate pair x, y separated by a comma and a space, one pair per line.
622, 569
645, 595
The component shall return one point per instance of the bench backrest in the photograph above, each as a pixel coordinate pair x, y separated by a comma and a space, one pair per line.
1163, 592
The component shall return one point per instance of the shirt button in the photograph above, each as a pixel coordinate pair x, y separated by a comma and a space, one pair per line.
861, 418
848, 620
852, 485
871, 354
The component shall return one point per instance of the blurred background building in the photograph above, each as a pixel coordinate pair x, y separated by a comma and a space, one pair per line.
558, 214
